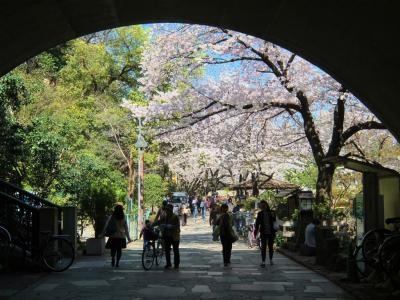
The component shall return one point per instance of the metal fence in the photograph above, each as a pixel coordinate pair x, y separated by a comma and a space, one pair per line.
131, 219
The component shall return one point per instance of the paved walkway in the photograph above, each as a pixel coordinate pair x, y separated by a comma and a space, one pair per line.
202, 276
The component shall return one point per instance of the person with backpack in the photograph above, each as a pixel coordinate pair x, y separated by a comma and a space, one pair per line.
265, 225
226, 234
116, 228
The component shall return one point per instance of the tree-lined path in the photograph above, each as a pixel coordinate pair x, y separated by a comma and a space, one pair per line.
202, 276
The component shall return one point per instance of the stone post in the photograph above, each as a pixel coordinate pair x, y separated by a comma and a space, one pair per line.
48, 219
70, 223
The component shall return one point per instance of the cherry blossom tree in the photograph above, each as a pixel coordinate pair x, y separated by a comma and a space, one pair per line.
213, 87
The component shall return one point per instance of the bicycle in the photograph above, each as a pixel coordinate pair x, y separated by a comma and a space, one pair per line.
5, 244
389, 256
153, 251
374, 238
360, 262
13, 248
55, 252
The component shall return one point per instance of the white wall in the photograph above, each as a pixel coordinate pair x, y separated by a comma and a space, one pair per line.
389, 188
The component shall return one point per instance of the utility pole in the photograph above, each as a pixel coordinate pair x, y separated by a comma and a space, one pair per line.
140, 144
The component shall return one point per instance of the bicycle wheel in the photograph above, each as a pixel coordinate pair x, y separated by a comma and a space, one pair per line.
58, 254
389, 255
159, 252
148, 257
5, 241
370, 244
361, 264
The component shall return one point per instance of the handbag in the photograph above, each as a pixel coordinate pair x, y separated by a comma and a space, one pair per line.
275, 225
234, 234
111, 227
216, 232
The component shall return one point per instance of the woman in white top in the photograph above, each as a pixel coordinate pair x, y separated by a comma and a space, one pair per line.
116, 229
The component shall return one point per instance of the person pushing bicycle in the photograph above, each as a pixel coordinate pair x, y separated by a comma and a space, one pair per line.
171, 234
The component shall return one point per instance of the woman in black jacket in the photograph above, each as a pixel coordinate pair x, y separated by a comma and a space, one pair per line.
225, 225
265, 225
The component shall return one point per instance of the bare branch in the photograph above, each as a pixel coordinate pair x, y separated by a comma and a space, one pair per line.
117, 141
361, 126
292, 142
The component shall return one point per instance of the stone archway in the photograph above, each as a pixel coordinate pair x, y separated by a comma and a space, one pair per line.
354, 41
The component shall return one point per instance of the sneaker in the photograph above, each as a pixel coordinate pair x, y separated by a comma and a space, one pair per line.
262, 265
176, 267
167, 267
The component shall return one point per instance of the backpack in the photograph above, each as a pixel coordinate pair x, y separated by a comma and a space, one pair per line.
111, 227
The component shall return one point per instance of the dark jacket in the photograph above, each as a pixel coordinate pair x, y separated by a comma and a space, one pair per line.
171, 225
260, 225
225, 225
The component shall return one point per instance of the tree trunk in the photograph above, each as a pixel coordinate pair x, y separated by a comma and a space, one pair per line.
324, 183
254, 181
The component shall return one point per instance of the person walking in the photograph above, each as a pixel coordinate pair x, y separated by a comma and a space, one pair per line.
265, 226
195, 209
116, 228
171, 236
226, 234
184, 211
213, 219
161, 212
203, 210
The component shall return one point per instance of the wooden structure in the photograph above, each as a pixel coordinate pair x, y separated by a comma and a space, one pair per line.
292, 199
263, 184
381, 190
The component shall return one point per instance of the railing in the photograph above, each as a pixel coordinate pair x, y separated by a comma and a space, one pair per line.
22, 220
30, 199
131, 219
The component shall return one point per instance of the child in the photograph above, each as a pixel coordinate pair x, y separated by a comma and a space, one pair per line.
147, 233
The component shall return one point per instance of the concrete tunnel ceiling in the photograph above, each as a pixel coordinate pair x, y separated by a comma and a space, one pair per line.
355, 41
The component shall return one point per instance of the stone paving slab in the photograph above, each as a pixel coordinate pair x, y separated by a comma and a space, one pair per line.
201, 276
257, 287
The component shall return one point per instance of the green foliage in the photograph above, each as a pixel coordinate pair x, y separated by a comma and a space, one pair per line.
325, 211
306, 177
279, 239
63, 133
44, 147
13, 94
250, 203
154, 190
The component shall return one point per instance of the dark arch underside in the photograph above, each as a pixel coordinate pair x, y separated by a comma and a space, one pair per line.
354, 41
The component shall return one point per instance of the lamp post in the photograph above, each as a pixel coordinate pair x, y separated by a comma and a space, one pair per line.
140, 144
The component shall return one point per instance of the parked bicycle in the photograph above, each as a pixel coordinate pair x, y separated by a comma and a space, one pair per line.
389, 256
5, 244
153, 251
374, 238
55, 252
379, 249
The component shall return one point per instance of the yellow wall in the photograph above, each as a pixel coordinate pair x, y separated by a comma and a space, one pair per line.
390, 189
